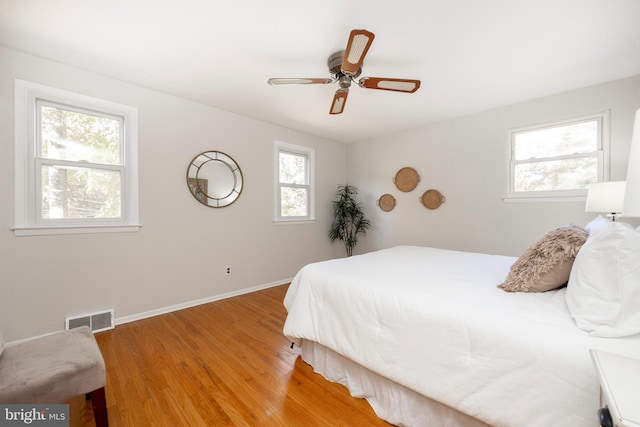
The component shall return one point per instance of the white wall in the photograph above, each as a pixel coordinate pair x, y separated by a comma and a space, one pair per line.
466, 159
180, 253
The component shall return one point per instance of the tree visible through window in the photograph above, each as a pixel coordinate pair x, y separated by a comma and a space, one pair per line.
294, 197
76, 163
80, 164
294, 189
558, 159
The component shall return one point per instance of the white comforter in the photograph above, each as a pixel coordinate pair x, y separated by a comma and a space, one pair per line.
434, 321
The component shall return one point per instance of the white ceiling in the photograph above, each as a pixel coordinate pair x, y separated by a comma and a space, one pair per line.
471, 55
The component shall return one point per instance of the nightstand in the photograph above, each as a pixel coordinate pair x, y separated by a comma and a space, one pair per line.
619, 378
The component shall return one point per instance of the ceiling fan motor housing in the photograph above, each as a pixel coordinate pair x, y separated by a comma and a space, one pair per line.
335, 66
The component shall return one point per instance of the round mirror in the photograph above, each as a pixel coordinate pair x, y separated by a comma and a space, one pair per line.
214, 179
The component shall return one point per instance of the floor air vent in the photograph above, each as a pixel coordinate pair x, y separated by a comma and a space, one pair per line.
99, 321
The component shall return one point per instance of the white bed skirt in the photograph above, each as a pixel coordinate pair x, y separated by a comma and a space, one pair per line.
392, 402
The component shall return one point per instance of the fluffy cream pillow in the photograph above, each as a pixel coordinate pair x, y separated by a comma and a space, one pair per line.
546, 264
603, 294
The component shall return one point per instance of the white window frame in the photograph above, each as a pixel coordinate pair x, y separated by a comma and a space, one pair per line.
602, 155
309, 153
27, 161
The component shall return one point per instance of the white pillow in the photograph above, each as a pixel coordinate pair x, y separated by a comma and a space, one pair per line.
603, 293
597, 224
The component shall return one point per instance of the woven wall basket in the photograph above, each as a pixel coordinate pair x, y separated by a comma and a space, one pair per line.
386, 202
406, 179
432, 199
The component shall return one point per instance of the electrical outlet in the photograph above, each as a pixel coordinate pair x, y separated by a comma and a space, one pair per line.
227, 270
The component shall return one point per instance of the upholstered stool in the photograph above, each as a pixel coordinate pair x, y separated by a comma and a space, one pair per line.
55, 369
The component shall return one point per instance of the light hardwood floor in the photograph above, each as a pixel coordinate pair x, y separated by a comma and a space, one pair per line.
222, 363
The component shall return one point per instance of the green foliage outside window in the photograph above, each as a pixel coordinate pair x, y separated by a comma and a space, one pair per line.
294, 192
81, 175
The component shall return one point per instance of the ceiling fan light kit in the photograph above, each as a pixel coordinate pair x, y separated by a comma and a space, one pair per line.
346, 66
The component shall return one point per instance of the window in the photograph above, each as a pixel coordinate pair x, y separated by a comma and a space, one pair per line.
76, 163
294, 182
558, 160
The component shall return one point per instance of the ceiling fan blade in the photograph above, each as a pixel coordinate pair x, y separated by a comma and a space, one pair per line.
396, 85
357, 47
339, 100
299, 81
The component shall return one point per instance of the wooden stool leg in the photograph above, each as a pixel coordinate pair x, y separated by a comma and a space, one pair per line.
99, 404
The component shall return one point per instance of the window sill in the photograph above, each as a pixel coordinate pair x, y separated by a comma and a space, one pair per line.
46, 231
536, 199
293, 221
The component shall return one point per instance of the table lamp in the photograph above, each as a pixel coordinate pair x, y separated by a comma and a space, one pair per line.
606, 197
631, 205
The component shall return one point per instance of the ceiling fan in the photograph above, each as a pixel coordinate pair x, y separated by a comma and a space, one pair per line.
345, 67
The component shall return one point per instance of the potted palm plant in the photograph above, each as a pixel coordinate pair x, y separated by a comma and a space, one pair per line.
348, 218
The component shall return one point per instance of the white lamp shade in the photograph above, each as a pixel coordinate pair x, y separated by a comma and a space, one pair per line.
632, 197
606, 197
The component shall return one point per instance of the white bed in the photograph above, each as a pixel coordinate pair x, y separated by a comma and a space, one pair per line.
426, 336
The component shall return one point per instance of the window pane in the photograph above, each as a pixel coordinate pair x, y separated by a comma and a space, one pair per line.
293, 168
293, 202
80, 193
69, 135
569, 174
557, 141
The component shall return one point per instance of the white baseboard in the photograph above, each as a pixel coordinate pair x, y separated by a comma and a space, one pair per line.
181, 306
159, 311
